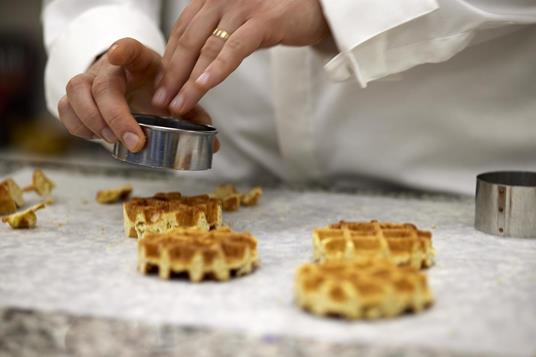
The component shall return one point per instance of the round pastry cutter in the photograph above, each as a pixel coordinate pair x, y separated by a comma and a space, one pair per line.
506, 203
172, 143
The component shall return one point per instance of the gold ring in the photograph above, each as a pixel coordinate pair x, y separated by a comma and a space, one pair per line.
219, 33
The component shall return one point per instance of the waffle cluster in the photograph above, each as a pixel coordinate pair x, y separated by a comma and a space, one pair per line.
366, 270
184, 235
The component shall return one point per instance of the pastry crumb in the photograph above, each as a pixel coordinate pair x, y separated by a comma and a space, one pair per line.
10, 196
252, 197
41, 184
114, 195
26, 219
231, 199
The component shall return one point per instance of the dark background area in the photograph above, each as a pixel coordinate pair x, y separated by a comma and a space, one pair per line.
25, 124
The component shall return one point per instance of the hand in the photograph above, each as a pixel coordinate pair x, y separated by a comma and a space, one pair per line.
99, 102
196, 61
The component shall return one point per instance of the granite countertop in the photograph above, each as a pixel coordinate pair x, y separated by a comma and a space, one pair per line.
58, 332
24, 332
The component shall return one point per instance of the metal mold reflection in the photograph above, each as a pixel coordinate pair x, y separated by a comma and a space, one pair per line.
172, 143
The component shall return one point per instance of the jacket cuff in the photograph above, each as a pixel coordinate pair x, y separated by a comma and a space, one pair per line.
89, 35
355, 24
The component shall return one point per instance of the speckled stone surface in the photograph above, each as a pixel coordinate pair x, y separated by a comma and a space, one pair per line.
31, 333
78, 263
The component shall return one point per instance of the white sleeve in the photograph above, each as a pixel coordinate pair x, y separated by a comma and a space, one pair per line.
77, 31
377, 38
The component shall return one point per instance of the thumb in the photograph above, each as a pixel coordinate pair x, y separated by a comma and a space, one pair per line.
134, 57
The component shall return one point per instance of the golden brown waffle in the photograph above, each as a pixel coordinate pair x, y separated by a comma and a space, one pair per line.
166, 211
219, 253
403, 244
41, 184
10, 196
114, 195
361, 290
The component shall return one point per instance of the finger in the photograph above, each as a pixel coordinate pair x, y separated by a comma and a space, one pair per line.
208, 53
241, 44
83, 105
229, 24
200, 116
109, 92
186, 53
71, 122
134, 57
181, 24
216, 145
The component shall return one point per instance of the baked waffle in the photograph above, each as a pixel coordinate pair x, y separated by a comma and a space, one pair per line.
114, 195
361, 290
10, 196
166, 211
403, 244
41, 184
217, 253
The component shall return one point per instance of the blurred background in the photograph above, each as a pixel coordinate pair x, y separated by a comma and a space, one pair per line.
26, 127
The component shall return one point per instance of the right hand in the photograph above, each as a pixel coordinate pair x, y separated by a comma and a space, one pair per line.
99, 102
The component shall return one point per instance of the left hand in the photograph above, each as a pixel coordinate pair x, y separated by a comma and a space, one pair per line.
196, 61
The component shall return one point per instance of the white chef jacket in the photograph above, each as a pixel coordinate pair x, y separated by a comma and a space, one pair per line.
418, 93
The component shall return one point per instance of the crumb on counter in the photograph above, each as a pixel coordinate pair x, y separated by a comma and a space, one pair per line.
41, 184
114, 195
26, 219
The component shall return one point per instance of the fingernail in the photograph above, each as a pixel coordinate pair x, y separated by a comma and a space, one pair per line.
160, 97
203, 79
176, 104
131, 140
113, 48
108, 135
